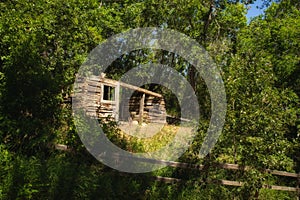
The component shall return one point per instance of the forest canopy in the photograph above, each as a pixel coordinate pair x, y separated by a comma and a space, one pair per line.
43, 44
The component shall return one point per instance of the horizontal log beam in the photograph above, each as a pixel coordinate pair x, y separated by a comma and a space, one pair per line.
219, 165
216, 181
132, 87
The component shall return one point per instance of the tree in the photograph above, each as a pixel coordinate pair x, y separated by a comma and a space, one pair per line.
42, 45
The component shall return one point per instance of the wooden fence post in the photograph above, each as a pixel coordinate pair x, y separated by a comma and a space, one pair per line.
141, 111
117, 101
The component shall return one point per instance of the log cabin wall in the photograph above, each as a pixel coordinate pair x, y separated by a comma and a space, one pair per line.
153, 112
100, 99
88, 96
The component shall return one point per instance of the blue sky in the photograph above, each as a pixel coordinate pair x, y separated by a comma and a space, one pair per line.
253, 11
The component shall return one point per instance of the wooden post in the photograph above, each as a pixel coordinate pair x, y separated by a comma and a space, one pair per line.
141, 111
117, 100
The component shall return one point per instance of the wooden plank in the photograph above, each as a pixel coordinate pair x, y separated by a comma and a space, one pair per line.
281, 188
220, 165
228, 183
132, 87
90, 104
282, 173
106, 110
246, 168
232, 166
93, 89
93, 83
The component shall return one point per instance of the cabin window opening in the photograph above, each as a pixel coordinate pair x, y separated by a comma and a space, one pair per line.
108, 93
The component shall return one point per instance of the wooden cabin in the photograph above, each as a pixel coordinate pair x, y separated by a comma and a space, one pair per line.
101, 98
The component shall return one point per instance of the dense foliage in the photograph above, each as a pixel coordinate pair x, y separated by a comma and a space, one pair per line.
43, 43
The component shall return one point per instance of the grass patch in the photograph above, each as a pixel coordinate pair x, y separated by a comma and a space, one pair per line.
138, 142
